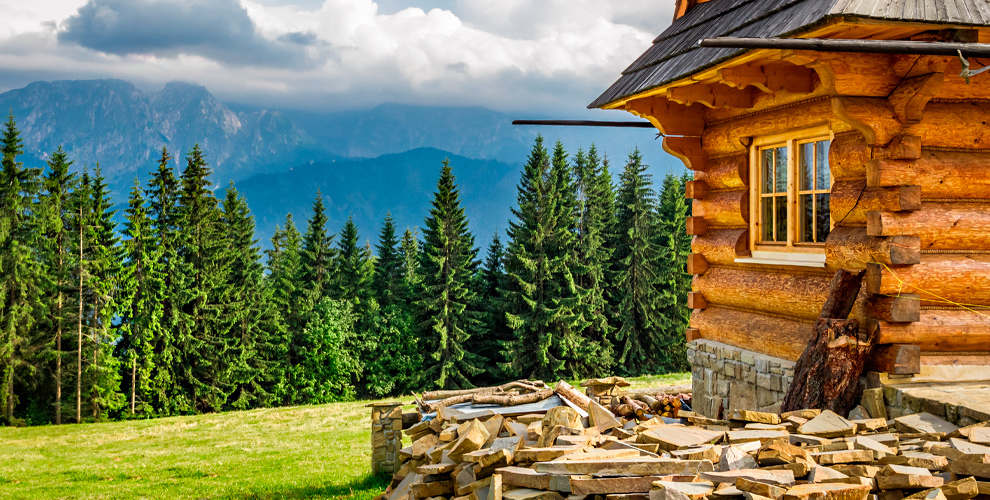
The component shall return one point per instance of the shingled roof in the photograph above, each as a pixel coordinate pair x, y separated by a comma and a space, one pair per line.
675, 53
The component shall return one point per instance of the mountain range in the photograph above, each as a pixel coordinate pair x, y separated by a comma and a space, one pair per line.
364, 162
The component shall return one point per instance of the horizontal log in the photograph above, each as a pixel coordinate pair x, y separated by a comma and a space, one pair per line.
897, 359
696, 226
695, 190
784, 293
728, 172
852, 248
903, 308
770, 335
939, 279
939, 331
726, 208
722, 246
733, 136
696, 264
851, 200
955, 125
941, 174
940, 226
848, 155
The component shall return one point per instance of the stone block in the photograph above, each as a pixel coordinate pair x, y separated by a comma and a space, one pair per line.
762, 364
747, 358
763, 380
765, 397
742, 396
776, 383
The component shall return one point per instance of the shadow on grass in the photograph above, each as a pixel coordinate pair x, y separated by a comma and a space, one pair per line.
364, 488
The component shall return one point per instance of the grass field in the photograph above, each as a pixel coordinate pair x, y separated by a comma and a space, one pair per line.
301, 452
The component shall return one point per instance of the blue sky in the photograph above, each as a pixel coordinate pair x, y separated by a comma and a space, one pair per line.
548, 57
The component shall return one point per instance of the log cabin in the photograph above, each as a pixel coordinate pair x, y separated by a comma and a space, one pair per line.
810, 161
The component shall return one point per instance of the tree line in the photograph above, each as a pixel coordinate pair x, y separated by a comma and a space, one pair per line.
176, 310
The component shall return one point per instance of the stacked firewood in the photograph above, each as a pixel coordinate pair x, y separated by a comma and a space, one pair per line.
645, 406
800, 455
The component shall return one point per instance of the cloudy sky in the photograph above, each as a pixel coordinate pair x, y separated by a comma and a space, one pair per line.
554, 56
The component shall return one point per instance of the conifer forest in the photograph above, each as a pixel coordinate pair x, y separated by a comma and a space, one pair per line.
176, 310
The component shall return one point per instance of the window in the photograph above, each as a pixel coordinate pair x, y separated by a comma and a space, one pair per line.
792, 187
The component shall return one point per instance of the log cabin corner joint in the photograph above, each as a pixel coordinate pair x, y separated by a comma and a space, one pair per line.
808, 162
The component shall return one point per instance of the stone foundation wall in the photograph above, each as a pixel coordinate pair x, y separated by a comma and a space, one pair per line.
727, 378
386, 437
963, 404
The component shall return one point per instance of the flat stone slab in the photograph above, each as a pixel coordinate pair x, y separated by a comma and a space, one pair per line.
827, 492
924, 423
828, 425
775, 477
646, 466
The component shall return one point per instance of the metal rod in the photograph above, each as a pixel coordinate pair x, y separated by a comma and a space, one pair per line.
584, 123
861, 46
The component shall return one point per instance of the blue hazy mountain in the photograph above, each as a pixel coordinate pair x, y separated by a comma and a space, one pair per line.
366, 162
367, 189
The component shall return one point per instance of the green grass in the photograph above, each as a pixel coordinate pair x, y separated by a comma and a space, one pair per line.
301, 452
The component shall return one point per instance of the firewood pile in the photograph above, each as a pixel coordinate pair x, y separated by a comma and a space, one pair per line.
799, 455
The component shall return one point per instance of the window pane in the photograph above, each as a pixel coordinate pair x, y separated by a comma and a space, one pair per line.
767, 161
781, 209
766, 212
806, 166
806, 209
824, 176
781, 170
824, 217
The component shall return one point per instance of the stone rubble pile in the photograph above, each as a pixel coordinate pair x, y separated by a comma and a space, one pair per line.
802, 455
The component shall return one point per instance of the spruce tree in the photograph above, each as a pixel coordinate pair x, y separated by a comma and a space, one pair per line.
495, 332
285, 287
352, 283
316, 259
57, 187
446, 300
143, 296
21, 277
638, 335
409, 253
540, 296
387, 282
674, 281
256, 342
166, 398
595, 200
205, 257
104, 268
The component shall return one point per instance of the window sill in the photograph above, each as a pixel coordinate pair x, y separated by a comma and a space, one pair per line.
816, 260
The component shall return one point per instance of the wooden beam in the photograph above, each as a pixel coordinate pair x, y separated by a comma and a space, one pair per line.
726, 173
670, 118
692, 334
943, 280
722, 246
912, 95
687, 149
695, 190
696, 226
771, 335
896, 359
903, 308
696, 264
950, 330
851, 200
724, 208
696, 300
711, 95
792, 294
904, 147
940, 226
853, 248
944, 174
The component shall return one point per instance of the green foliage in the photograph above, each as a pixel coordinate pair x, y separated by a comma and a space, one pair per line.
446, 301
674, 282
327, 364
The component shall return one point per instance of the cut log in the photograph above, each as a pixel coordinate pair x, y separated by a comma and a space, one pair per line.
564, 390
695, 190
730, 137
940, 226
851, 200
724, 208
955, 125
897, 359
519, 399
848, 156
904, 308
727, 172
696, 226
696, 300
938, 331
722, 246
853, 248
696, 264
797, 295
780, 337
827, 373
944, 174
940, 280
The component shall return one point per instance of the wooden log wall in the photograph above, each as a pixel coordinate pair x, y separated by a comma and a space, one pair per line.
909, 203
